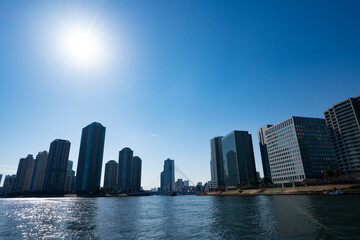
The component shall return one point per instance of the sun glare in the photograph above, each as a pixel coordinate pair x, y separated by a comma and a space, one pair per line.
82, 46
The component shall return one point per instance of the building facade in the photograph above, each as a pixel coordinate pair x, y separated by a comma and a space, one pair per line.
111, 169
125, 170
38, 176
343, 121
239, 160
57, 166
136, 174
88, 174
217, 163
70, 178
167, 177
24, 174
263, 150
299, 148
9, 184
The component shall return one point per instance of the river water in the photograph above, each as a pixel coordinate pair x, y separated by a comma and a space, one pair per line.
182, 217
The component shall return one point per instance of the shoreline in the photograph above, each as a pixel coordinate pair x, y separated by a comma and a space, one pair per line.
306, 190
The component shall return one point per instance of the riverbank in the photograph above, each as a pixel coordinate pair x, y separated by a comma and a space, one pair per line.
308, 190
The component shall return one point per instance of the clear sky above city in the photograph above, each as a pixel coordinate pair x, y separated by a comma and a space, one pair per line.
167, 76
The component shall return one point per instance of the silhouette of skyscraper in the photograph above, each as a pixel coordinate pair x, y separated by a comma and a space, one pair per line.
38, 176
24, 174
136, 174
263, 150
168, 176
217, 163
111, 169
90, 158
125, 169
56, 166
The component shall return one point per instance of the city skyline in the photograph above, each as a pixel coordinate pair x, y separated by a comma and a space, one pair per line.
241, 64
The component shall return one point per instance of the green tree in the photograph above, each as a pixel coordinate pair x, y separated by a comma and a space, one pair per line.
328, 173
338, 172
253, 182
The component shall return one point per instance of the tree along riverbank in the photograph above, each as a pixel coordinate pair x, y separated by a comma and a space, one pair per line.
306, 190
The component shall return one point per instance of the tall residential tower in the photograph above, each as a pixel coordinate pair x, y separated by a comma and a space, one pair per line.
56, 166
343, 121
167, 176
90, 158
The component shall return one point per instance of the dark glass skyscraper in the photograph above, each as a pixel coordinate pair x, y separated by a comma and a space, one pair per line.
167, 176
217, 163
56, 166
343, 121
263, 150
136, 174
90, 158
239, 161
125, 170
111, 168
38, 177
24, 174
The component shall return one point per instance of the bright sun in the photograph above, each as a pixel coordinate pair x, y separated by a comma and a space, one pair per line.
82, 46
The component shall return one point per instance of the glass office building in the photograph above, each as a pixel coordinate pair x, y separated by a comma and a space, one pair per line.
238, 156
299, 148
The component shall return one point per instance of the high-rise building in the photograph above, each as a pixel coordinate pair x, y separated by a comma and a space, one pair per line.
0, 178
299, 148
111, 168
125, 170
343, 121
217, 163
24, 174
9, 184
57, 166
135, 174
70, 178
167, 176
38, 176
239, 161
263, 150
88, 173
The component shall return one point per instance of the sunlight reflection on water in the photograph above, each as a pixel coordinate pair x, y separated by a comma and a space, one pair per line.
182, 217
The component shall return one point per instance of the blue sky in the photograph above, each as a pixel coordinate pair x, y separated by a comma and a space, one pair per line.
173, 75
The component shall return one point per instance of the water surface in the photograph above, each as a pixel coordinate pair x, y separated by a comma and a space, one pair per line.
182, 217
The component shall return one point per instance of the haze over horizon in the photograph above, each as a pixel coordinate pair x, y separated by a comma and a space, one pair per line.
166, 77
